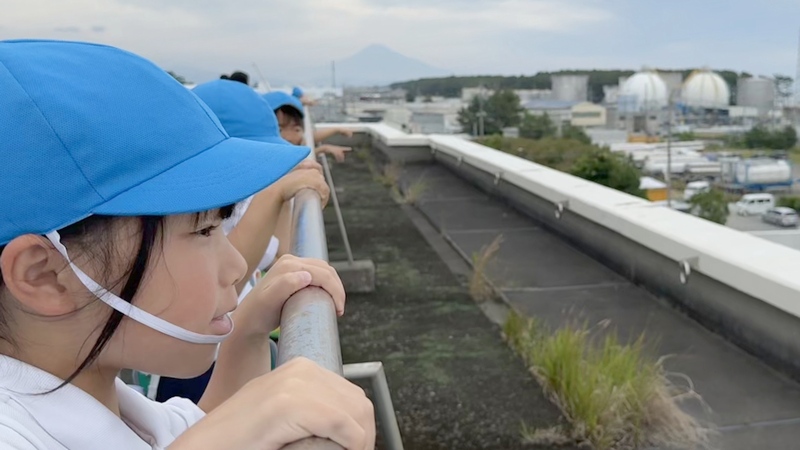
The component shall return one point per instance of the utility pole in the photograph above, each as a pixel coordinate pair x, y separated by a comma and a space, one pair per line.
668, 173
481, 112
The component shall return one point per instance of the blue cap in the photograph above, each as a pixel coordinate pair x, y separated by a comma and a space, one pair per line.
241, 111
90, 129
297, 92
277, 99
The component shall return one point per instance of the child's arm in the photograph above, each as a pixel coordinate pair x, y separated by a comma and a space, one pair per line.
283, 230
252, 234
337, 151
324, 133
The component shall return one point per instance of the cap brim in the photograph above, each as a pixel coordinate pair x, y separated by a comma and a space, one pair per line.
223, 175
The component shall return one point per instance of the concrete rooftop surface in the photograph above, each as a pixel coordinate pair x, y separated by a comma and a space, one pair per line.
454, 382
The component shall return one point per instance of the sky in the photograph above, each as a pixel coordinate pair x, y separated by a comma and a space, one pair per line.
203, 38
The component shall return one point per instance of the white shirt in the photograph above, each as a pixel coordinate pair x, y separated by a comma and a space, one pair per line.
233, 220
69, 418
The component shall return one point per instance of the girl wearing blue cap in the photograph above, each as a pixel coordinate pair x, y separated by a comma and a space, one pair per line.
111, 257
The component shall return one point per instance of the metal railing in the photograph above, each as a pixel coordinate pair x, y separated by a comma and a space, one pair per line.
308, 321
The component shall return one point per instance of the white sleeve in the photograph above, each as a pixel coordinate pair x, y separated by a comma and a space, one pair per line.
182, 414
270, 254
15, 436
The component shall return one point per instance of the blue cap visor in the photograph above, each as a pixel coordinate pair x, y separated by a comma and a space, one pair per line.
224, 174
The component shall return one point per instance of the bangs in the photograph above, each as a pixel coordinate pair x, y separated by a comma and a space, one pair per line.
223, 213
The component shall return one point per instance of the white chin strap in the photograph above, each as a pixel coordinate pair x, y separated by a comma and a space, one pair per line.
132, 311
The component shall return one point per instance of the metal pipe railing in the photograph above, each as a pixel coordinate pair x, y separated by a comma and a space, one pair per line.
308, 320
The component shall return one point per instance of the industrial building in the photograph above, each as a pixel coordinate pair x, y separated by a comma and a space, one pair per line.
582, 114
758, 93
570, 88
641, 103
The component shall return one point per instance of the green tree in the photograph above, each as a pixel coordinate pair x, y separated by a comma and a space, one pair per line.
502, 109
606, 168
536, 127
790, 202
410, 97
570, 131
710, 205
761, 137
785, 138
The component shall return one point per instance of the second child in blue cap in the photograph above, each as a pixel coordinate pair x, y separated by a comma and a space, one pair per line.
244, 114
289, 111
112, 257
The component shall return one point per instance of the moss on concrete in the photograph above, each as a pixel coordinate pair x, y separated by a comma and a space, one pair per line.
455, 383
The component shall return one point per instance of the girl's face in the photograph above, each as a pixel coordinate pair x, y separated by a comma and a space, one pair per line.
190, 282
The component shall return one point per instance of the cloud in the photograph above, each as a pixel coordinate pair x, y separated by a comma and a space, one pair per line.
67, 29
488, 36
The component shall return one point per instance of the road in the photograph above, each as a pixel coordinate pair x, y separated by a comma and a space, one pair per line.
750, 223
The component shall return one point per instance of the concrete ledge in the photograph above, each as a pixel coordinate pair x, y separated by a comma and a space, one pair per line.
358, 277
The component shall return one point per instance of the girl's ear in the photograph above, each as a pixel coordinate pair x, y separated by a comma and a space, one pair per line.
34, 274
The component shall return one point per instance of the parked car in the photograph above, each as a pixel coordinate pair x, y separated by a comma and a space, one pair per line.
781, 216
754, 204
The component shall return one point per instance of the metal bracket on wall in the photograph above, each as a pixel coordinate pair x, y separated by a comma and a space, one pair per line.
497, 177
459, 160
685, 268
560, 207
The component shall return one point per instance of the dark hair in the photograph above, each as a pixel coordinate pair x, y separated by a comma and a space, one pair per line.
289, 116
240, 77
224, 77
93, 233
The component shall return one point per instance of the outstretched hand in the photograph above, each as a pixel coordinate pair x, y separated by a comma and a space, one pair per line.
337, 151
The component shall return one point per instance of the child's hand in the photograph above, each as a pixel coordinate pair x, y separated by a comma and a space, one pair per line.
307, 175
337, 151
260, 311
293, 402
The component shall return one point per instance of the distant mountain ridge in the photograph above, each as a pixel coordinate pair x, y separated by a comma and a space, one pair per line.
375, 65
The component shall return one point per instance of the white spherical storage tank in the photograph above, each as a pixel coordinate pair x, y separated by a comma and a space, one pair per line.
643, 91
706, 89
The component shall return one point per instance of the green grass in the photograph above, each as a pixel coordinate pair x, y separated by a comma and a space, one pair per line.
414, 191
613, 395
479, 287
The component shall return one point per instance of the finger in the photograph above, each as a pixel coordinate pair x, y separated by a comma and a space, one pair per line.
326, 415
329, 281
285, 264
285, 285
308, 164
